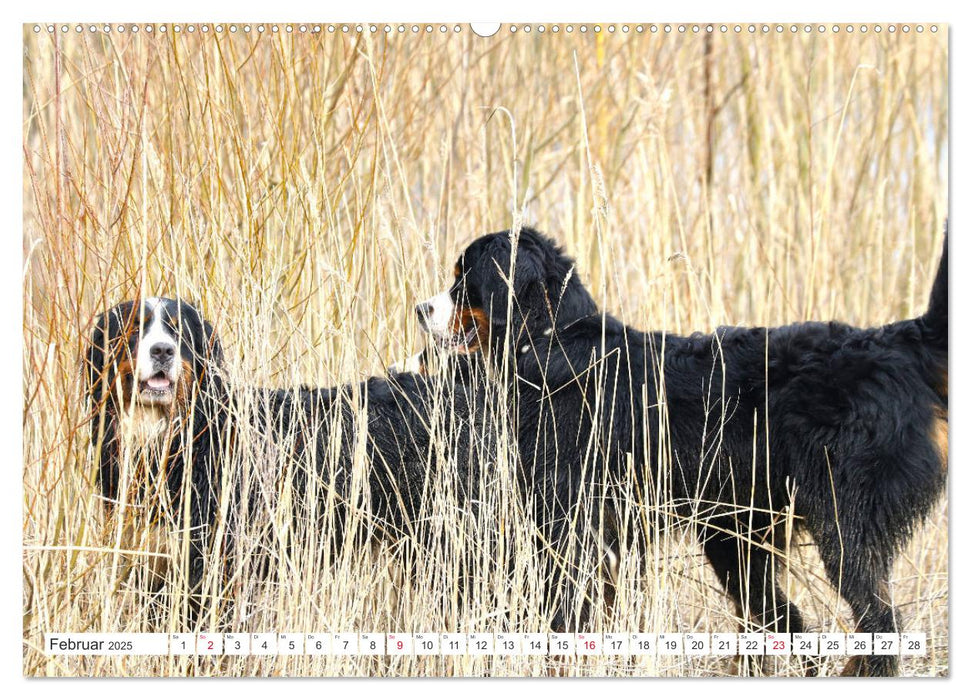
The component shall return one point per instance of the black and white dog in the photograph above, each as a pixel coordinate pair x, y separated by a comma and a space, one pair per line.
166, 426
841, 431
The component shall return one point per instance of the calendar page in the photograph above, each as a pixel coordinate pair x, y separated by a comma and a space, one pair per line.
549, 349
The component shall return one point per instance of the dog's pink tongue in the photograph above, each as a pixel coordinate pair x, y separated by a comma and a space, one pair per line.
159, 383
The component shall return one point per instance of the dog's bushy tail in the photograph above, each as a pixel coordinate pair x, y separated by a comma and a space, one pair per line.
935, 318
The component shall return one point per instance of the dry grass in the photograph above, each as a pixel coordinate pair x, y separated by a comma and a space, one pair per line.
306, 190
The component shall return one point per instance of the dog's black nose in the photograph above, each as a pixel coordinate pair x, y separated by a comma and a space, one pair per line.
424, 311
161, 352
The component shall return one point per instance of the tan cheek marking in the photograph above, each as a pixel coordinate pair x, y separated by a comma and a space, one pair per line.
459, 320
482, 325
464, 318
184, 389
125, 375
939, 435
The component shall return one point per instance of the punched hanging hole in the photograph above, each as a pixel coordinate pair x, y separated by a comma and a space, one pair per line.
485, 29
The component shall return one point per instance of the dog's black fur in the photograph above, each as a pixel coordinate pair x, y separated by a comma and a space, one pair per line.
843, 428
408, 417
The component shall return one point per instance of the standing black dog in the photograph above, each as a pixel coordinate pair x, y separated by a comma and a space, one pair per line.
165, 425
842, 428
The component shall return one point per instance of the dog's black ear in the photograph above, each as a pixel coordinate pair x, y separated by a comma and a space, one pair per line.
570, 300
530, 283
561, 298
201, 337
215, 345
526, 281
102, 352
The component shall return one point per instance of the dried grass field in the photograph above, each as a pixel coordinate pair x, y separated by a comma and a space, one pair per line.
305, 190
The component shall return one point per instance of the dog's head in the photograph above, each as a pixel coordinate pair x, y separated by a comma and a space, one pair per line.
147, 359
506, 286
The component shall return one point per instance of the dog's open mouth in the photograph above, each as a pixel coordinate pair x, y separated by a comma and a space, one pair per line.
157, 389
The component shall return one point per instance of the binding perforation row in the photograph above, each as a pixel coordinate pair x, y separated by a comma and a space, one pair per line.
486, 30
